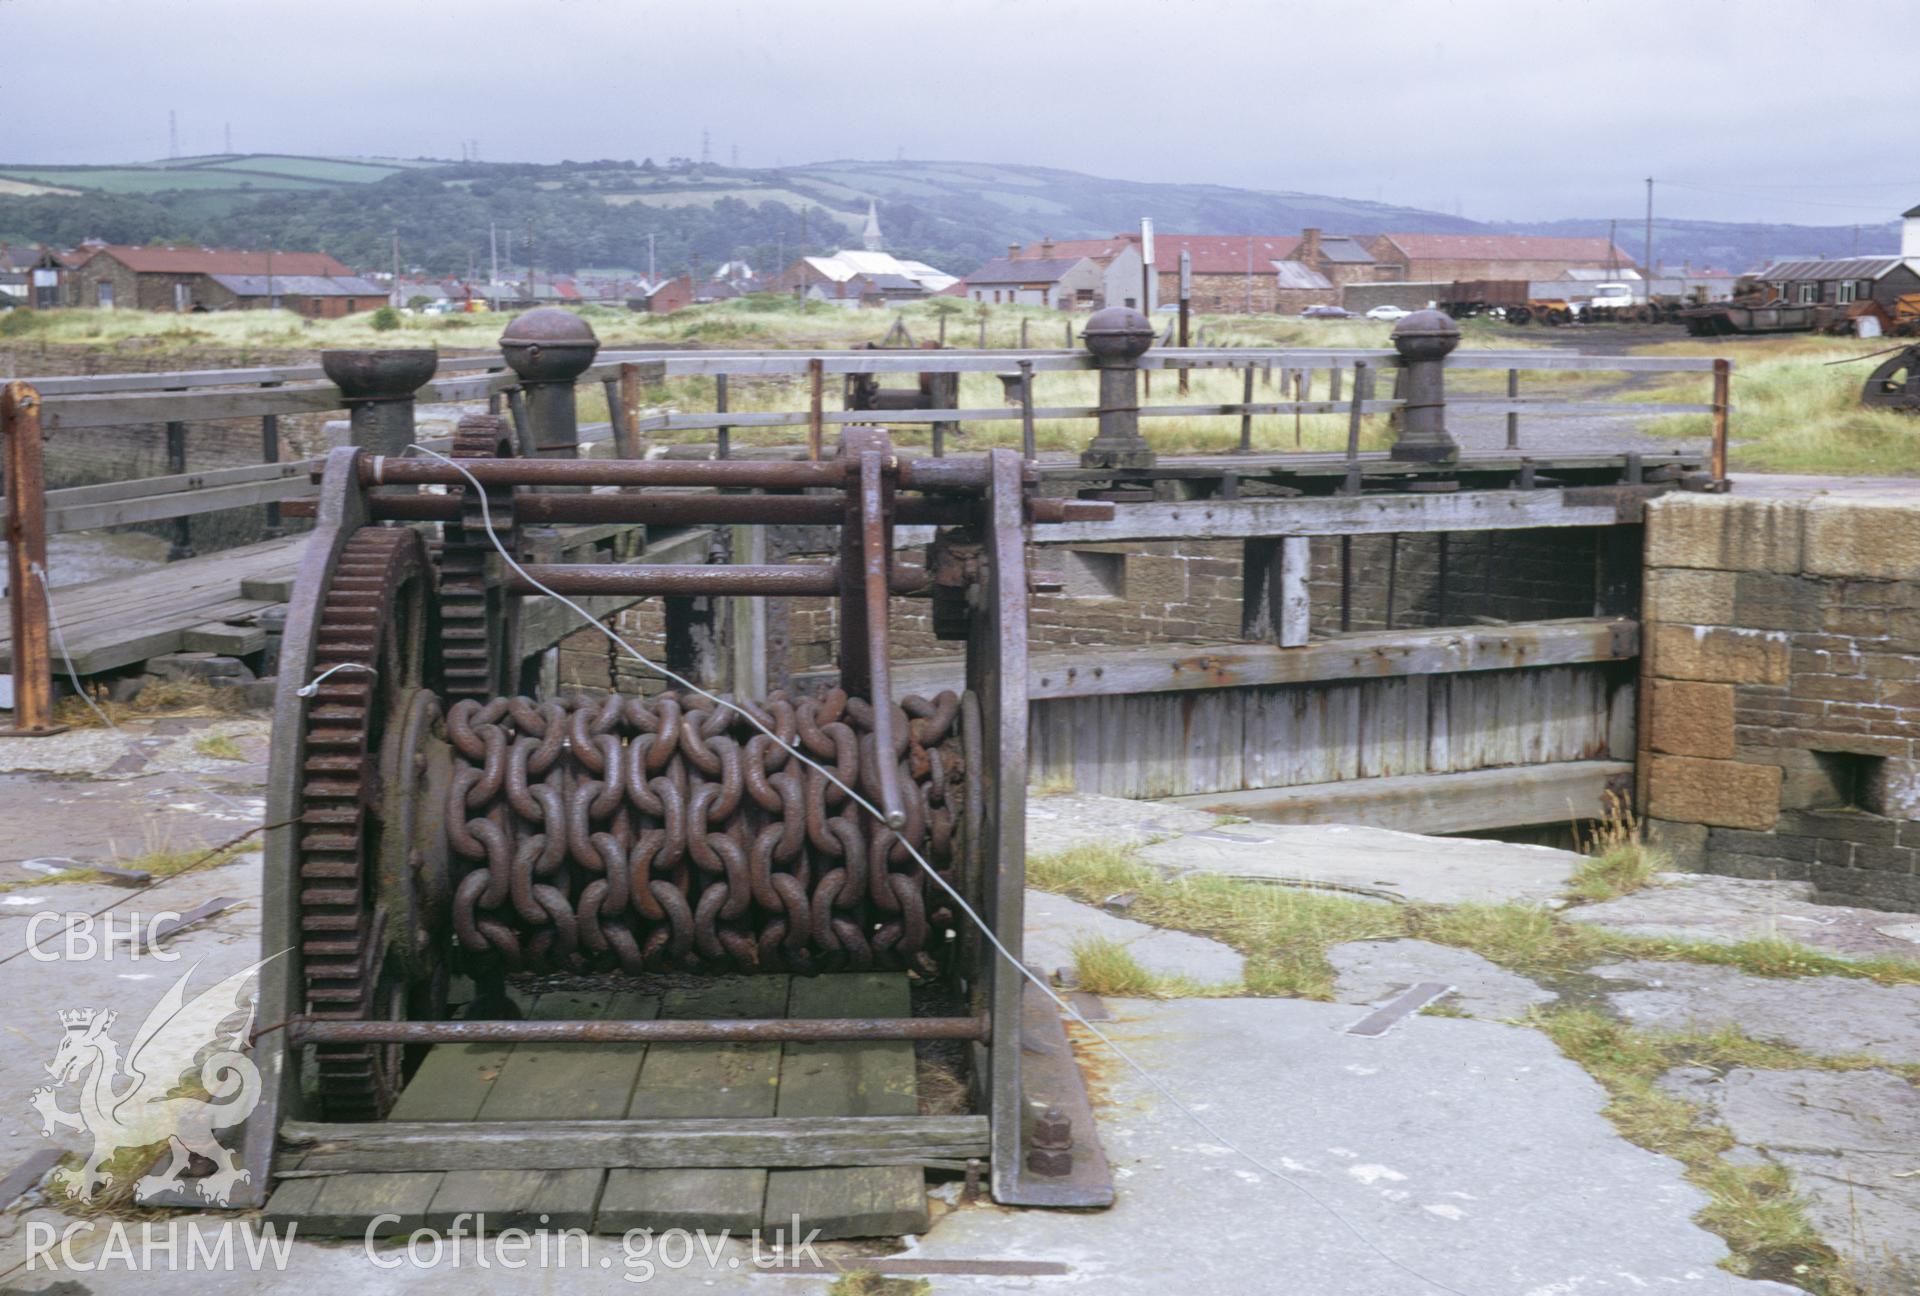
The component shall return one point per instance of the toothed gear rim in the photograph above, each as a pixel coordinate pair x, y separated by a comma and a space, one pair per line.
375, 612
474, 619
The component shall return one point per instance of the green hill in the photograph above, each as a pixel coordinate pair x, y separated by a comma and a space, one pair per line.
601, 213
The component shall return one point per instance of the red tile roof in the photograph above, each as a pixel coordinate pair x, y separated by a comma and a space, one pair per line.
1222, 253
1212, 253
1508, 247
1098, 249
200, 260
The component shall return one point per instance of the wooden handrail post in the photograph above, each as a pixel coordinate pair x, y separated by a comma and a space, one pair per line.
1721, 375
626, 432
27, 564
816, 370
1028, 449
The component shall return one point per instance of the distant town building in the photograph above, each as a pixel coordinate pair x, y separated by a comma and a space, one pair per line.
186, 279
1843, 280
833, 278
1118, 260
315, 296
33, 277
663, 298
871, 276
1062, 282
1444, 258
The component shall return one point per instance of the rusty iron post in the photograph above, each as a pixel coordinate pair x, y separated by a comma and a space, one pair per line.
27, 564
1424, 339
1118, 336
1722, 373
379, 387
550, 348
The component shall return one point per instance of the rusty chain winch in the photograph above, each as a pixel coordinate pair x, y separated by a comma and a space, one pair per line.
442, 822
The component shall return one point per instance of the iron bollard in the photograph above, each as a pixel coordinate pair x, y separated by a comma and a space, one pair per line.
1424, 339
379, 387
549, 348
1118, 336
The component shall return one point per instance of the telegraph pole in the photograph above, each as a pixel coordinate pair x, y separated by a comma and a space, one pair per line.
1649, 248
396, 271
493, 266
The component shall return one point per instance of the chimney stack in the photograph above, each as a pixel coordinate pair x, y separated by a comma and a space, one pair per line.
1046, 245
1309, 250
1013, 251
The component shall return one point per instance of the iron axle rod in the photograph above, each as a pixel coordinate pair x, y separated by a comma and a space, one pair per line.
303, 1030
692, 510
711, 580
956, 476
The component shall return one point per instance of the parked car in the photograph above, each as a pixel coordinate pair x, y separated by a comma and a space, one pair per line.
1388, 312
1326, 312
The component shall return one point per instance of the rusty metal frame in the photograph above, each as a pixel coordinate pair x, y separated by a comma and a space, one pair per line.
858, 490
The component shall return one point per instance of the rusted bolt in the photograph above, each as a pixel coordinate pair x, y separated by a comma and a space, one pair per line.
1052, 1128
1050, 1161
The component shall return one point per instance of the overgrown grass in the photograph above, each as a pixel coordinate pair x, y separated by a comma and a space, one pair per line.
1753, 1207
1619, 861
862, 1282
1794, 410
1285, 931
219, 747
160, 862
1107, 967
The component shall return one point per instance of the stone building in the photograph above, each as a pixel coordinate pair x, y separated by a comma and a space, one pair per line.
1444, 258
183, 279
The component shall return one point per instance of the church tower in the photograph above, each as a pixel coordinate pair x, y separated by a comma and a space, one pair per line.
870, 236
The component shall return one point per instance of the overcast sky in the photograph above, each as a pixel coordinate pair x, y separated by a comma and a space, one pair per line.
1785, 110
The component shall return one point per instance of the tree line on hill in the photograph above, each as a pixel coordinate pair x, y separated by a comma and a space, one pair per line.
443, 227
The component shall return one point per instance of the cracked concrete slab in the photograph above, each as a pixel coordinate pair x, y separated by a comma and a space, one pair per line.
1055, 923
1826, 1014
1725, 910
1852, 1142
1435, 870
1058, 822
1428, 1144
1374, 971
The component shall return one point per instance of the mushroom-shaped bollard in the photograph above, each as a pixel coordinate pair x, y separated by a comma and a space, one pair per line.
379, 387
1118, 336
1424, 339
549, 348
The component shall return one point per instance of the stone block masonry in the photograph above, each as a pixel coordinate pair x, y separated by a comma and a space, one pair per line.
1782, 665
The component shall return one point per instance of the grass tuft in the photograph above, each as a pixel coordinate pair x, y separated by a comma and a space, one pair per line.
219, 747
863, 1282
1619, 862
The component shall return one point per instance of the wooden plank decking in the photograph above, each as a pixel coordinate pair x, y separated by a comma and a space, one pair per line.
124, 620
576, 1082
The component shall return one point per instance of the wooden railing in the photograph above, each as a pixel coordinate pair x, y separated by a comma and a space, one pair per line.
269, 393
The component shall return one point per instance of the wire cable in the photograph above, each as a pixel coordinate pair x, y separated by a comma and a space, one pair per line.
1153, 1081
